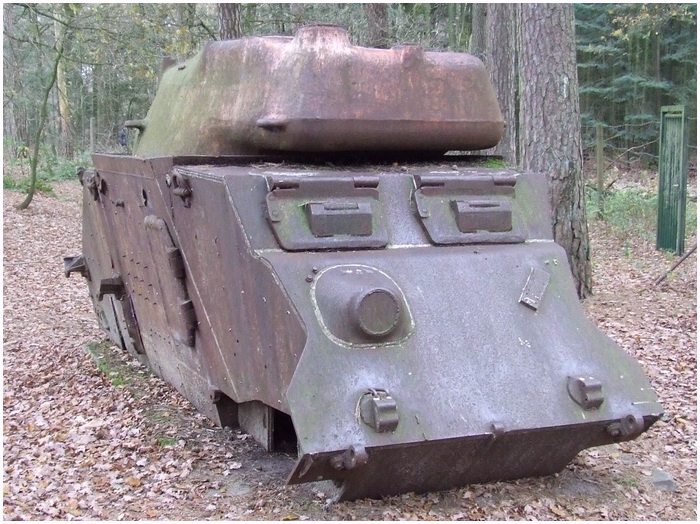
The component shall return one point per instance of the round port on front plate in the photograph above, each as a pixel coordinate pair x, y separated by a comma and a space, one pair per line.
377, 312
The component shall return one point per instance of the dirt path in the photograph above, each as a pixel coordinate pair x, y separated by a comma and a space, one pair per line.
82, 444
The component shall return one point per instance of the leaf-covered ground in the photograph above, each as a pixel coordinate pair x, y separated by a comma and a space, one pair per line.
95, 436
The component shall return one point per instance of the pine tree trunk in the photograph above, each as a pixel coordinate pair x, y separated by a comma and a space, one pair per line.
230, 21
452, 26
502, 65
66, 141
477, 44
550, 126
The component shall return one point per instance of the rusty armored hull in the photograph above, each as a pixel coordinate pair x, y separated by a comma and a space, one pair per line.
404, 326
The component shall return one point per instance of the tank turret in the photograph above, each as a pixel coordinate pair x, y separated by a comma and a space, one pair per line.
317, 92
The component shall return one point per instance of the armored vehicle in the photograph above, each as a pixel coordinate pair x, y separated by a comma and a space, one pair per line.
301, 247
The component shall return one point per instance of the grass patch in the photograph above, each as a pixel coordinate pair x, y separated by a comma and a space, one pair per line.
166, 441
117, 380
123, 372
111, 362
159, 415
51, 169
632, 212
22, 185
114, 376
628, 483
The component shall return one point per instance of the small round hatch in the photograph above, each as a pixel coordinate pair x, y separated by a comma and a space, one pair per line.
360, 305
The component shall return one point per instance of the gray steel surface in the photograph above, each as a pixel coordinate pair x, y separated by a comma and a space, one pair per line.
408, 364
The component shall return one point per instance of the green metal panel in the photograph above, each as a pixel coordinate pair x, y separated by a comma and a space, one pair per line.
673, 178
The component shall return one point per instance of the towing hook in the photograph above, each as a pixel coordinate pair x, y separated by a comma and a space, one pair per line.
350, 458
76, 264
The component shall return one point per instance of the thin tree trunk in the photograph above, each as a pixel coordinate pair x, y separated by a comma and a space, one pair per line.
503, 69
600, 169
298, 13
34, 159
458, 28
465, 27
452, 26
477, 44
10, 134
230, 21
186, 14
96, 94
550, 139
66, 143
657, 66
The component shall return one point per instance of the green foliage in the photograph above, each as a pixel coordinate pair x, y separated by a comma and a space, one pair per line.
51, 169
112, 58
691, 216
166, 441
22, 185
106, 367
495, 162
628, 482
632, 211
57, 168
633, 59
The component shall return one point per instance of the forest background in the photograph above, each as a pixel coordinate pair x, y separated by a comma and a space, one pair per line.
632, 59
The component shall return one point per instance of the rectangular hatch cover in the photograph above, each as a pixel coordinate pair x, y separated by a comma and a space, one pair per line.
471, 209
314, 213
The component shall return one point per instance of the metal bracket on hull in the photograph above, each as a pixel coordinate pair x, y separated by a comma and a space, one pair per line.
379, 411
76, 264
326, 213
587, 392
470, 209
